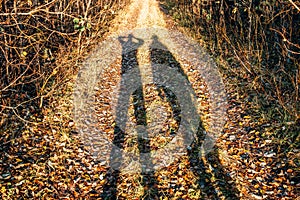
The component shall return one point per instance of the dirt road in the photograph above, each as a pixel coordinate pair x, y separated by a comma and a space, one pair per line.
160, 104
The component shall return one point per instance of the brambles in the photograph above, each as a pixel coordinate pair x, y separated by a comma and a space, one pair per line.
256, 157
38, 40
256, 45
258, 41
40, 51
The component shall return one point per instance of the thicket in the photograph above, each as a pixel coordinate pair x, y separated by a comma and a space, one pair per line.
41, 43
257, 44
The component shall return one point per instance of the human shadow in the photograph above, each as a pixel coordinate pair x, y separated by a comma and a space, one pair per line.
129, 63
213, 180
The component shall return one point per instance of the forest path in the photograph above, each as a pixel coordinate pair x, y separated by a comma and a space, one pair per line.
139, 14
147, 42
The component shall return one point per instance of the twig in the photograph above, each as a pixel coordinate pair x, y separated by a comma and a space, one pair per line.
14, 81
14, 111
31, 13
294, 5
284, 38
243, 64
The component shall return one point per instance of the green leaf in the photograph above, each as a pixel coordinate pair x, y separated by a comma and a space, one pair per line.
82, 29
76, 26
88, 26
76, 20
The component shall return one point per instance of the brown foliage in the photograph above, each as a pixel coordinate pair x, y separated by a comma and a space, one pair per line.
257, 47
41, 43
258, 39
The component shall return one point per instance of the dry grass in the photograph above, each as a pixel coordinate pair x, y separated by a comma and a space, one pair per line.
41, 45
257, 47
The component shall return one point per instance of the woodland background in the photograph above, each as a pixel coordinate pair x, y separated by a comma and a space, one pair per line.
256, 45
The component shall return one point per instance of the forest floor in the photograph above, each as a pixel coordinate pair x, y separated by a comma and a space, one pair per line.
51, 160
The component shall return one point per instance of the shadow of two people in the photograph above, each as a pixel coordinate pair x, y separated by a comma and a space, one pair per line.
211, 183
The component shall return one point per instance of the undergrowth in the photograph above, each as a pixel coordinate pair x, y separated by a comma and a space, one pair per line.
256, 45
41, 45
